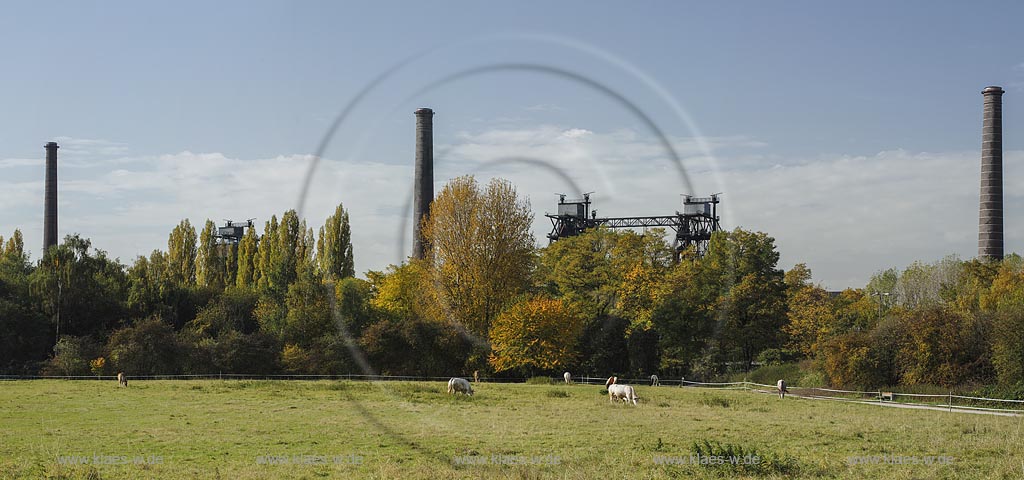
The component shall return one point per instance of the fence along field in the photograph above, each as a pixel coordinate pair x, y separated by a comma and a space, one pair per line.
413, 429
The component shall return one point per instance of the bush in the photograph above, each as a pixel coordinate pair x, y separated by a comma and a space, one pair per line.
150, 347
415, 347
255, 353
769, 374
71, 356
812, 379
776, 356
539, 381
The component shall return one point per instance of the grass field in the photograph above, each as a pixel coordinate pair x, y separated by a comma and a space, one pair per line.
340, 429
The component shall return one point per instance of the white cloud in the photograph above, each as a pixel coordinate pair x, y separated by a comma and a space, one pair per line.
22, 162
845, 216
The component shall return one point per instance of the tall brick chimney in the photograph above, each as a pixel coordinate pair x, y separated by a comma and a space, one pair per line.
990, 220
50, 198
423, 186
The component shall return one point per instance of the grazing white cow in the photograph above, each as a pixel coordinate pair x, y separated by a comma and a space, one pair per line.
122, 379
624, 392
781, 386
460, 385
655, 381
567, 377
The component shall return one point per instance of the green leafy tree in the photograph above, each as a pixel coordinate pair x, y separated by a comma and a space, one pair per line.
267, 254
26, 338
210, 267
334, 247
284, 259
149, 347
684, 316
256, 353
248, 275
81, 289
580, 270
414, 346
355, 312
309, 311
181, 254
234, 310
71, 356
755, 311
751, 305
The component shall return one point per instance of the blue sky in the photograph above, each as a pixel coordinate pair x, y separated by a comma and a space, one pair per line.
850, 132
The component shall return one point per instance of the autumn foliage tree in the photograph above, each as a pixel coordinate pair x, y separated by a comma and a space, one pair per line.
480, 250
535, 334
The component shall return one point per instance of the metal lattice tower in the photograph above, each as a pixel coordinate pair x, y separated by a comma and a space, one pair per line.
693, 226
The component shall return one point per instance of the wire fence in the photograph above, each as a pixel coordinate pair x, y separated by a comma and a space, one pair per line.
948, 401
249, 376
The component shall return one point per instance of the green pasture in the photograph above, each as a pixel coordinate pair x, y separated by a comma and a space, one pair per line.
344, 429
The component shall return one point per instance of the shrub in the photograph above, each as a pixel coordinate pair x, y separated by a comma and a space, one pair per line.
98, 366
149, 347
776, 356
71, 356
256, 353
539, 381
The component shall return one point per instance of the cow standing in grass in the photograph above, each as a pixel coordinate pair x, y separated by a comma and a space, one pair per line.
618, 391
122, 379
460, 385
781, 386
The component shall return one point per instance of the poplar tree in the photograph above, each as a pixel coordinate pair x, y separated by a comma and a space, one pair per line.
181, 254
248, 260
209, 263
334, 247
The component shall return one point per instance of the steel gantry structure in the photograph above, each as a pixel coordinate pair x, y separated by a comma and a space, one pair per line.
693, 226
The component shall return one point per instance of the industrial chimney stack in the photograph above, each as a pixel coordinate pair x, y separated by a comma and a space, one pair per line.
990, 222
423, 188
50, 198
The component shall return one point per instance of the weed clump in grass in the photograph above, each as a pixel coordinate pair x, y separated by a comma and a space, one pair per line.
539, 381
558, 394
714, 401
744, 460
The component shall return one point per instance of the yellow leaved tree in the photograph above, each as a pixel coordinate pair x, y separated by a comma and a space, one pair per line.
537, 333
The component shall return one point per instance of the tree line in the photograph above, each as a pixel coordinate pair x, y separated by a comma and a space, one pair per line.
486, 298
